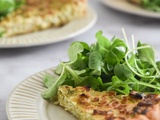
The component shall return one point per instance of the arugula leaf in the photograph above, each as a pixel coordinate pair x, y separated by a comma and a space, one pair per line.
75, 49
107, 65
51, 92
103, 44
19, 3
122, 72
95, 61
158, 64
77, 55
119, 86
8, 6
76, 78
147, 55
94, 83
49, 80
153, 5
119, 43
116, 52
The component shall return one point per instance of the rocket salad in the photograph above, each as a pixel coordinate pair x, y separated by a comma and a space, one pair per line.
107, 65
153, 5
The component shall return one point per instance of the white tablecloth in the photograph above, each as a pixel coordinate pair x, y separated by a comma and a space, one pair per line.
18, 64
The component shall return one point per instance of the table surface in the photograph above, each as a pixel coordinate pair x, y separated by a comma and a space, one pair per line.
18, 64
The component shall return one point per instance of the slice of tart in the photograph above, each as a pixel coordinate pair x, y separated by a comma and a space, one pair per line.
138, 2
87, 104
36, 15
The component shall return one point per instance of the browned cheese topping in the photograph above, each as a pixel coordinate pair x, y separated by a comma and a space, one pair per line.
109, 106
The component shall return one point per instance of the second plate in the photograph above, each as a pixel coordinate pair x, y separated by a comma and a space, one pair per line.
125, 6
72, 29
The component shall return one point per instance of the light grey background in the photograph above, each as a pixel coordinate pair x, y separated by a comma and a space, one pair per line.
18, 64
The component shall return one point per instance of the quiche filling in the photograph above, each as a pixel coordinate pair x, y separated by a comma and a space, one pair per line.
87, 104
39, 15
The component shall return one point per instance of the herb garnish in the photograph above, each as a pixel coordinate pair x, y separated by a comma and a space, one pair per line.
8, 6
153, 5
108, 65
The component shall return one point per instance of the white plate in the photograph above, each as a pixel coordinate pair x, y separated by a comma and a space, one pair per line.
72, 29
26, 103
125, 6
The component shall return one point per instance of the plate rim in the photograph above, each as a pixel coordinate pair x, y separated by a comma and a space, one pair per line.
20, 84
142, 12
92, 22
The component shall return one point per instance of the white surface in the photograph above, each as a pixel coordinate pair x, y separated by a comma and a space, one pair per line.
18, 64
53, 35
125, 6
26, 102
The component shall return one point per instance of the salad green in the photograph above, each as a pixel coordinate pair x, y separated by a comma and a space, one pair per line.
153, 5
8, 6
107, 65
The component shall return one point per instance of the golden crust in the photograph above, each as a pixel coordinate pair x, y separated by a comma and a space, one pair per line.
39, 15
87, 104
